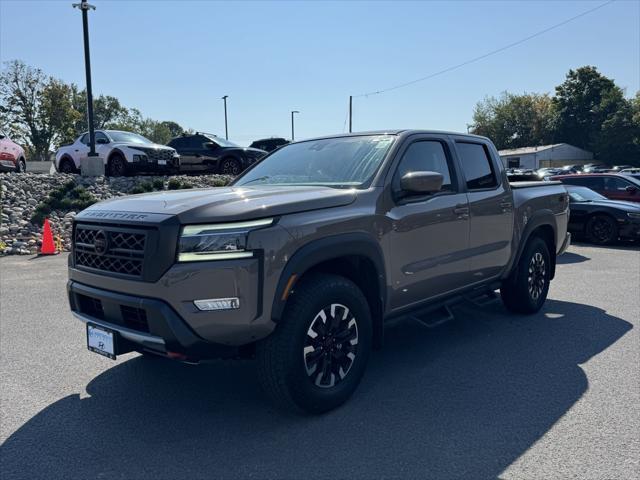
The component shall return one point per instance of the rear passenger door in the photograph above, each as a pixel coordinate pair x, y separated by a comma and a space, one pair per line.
617, 188
490, 207
430, 232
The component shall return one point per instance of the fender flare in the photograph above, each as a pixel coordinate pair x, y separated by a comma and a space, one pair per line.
538, 219
330, 248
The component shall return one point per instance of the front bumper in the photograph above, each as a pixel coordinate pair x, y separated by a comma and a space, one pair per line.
630, 230
565, 244
172, 165
143, 324
7, 166
178, 288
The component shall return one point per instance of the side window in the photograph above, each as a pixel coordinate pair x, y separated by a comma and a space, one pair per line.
427, 155
85, 139
192, 143
612, 184
594, 183
476, 165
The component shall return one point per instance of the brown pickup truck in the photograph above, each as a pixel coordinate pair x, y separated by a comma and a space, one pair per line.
305, 257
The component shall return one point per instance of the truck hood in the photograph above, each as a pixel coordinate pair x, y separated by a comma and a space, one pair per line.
225, 204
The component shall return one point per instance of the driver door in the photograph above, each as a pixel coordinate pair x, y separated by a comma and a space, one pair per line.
430, 233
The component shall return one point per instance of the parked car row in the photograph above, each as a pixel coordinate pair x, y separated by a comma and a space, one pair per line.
600, 220
125, 152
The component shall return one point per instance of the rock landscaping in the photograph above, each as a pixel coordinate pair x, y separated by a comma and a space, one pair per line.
27, 198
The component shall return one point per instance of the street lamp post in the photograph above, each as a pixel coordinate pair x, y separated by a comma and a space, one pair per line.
292, 125
226, 128
84, 7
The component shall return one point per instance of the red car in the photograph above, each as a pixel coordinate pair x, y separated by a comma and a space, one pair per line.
610, 185
12, 157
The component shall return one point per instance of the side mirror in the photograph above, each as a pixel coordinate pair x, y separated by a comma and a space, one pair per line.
102, 141
631, 189
211, 145
421, 182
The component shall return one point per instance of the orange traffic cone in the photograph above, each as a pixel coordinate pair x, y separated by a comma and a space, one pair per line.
48, 247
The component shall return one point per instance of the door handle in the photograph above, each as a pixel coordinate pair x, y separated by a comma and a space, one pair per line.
505, 206
461, 210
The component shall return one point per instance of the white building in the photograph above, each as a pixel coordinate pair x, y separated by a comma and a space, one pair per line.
556, 155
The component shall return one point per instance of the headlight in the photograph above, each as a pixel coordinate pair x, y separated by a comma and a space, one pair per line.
635, 216
222, 241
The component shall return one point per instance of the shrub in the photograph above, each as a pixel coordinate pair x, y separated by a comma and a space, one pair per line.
66, 198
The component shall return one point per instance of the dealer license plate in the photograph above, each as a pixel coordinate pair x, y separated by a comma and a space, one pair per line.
101, 340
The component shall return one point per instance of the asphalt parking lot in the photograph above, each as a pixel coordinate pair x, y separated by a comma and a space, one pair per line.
555, 395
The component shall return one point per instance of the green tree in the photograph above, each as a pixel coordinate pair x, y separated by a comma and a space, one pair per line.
593, 114
107, 111
36, 107
514, 121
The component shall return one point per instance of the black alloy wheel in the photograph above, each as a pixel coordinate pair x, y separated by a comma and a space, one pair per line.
331, 345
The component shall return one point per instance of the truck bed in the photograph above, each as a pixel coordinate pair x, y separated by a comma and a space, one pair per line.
539, 183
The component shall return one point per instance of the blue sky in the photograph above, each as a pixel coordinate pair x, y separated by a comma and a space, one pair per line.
173, 60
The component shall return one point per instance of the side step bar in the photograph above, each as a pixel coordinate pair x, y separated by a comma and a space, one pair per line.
434, 318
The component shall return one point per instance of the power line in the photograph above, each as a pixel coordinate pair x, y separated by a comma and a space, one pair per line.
493, 52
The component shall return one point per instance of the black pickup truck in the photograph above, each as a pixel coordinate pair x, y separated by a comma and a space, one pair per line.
305, 257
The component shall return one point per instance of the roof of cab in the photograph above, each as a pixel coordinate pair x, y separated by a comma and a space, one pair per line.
403, 132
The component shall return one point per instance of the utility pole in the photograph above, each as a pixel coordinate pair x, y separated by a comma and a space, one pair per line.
292, 125
85, 7
350, 112
226, 128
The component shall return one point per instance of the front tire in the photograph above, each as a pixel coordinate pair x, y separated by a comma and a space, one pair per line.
315, 359
21, 166
602, 230
67, 166
117, 166
526, 289
230, 166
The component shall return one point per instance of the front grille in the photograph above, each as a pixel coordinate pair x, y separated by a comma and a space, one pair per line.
160, 154
112, 250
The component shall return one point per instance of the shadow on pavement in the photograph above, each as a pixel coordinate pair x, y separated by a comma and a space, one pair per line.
568, 258
462, 401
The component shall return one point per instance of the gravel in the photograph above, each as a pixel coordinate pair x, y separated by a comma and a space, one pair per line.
21, 193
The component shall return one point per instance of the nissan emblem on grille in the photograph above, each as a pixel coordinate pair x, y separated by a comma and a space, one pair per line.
101, 242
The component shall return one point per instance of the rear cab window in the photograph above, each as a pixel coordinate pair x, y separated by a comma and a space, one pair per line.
476, 164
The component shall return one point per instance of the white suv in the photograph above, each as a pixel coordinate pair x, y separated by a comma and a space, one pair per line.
122, 153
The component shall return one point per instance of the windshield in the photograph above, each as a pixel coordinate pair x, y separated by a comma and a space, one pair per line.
343, 162
222, 142
583, 194
128, 137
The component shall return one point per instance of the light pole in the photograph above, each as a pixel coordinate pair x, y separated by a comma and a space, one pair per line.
292, 125
84, 8
350, 112
226, 128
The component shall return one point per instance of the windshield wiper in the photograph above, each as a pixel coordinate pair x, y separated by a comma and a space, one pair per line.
265, 177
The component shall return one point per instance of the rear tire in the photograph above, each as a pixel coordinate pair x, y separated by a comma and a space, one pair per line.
117, 166
602, 230
526, 289
315, 359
